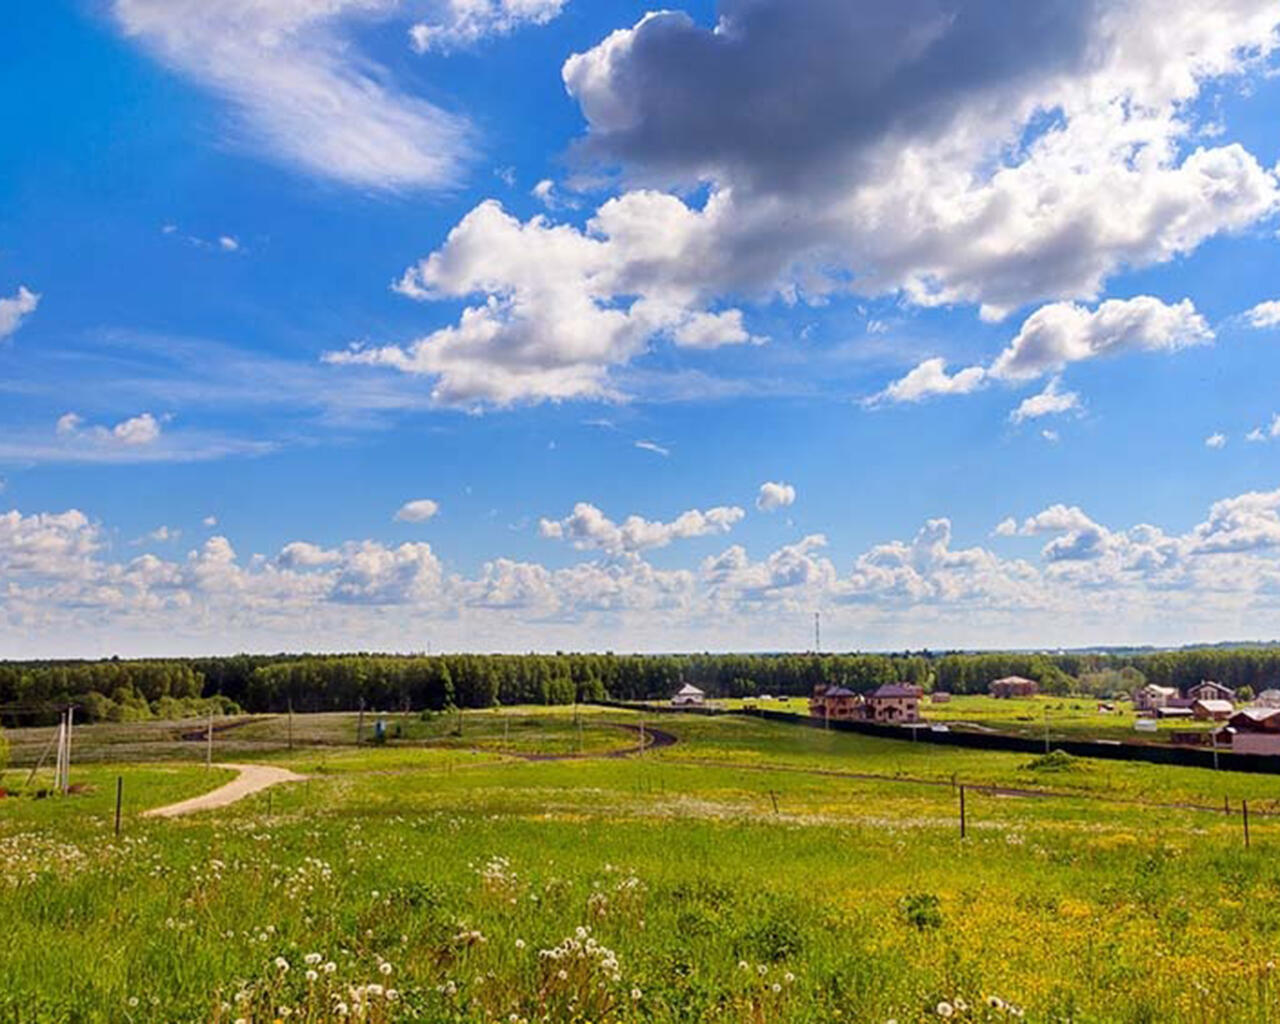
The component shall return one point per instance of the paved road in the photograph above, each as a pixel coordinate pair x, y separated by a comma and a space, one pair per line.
252, 779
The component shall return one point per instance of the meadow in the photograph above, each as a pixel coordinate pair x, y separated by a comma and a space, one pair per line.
531, 865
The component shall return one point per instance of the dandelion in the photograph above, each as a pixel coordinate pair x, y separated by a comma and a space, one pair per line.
743, 965
762, 970
519, 943
384, 967
945, 1009
775, 988
329, 968
281, 963
342, 1009
995, 1002
312, 975
789, 977
133, 1000
562, 974
312, 958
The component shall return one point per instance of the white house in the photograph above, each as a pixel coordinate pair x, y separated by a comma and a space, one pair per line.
689, 695
1267, 699
1152, 697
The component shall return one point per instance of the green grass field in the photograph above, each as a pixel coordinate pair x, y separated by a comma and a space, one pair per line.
522, 871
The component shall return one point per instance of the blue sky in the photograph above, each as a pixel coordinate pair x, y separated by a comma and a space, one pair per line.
581, 281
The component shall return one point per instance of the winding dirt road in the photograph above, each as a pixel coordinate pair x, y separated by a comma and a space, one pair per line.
252, 779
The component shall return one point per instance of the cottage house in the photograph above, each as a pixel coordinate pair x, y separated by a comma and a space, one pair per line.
1014, 686
1152, 697
894, 702
1212, 710
835, 703
940, 697
689, 696
1267, 699
1255, 731
1206, 689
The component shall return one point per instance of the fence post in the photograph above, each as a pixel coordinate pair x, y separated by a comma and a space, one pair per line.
774, 797
119, 799
1244, 807
963, 823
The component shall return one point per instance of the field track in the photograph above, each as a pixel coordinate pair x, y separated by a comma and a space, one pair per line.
252, 779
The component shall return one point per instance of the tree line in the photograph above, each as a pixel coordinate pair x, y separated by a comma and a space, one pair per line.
130, 690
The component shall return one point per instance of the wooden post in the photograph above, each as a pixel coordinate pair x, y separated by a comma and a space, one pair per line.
642, 735
290, 723
1244, 808
66, 761
963, 823
774, 797
119, 799
208, 745
1226, 804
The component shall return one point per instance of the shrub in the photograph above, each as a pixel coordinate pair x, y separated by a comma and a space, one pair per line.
922, 910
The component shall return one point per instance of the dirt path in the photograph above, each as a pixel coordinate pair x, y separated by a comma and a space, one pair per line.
252, 779
652, 739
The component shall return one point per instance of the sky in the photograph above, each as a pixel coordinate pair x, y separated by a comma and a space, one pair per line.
535, 325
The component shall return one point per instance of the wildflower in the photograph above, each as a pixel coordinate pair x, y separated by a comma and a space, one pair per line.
743, 965
995, 1002
762, 969
775, 987
341, 1009
312, 975
562, 974
384, 967
281, 963
329, 968
519, 943
312, 958
374, 989
789, 977
392, 995
133, 1000
945, 1009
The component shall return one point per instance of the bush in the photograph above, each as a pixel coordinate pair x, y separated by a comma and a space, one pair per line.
1055, 761
922, 910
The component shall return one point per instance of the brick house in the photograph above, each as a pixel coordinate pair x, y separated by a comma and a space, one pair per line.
835, 703
1014, 686
894, 702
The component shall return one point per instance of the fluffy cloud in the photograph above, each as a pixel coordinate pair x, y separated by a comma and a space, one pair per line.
560, 308
466, 22
960, 152
1053, 337
957, 152
16, 309
288, 68
1052, 401
774, 496
143, 429
930, 378
589, 528
1215, 441
1091, 583
1062, 333
418, 511
1264, 314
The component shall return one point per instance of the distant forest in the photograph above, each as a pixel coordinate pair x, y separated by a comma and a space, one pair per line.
119, 690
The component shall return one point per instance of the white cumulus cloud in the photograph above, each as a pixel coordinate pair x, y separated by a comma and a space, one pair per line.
1052, 401
418, 511
589, 528
14, 310
774, 496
